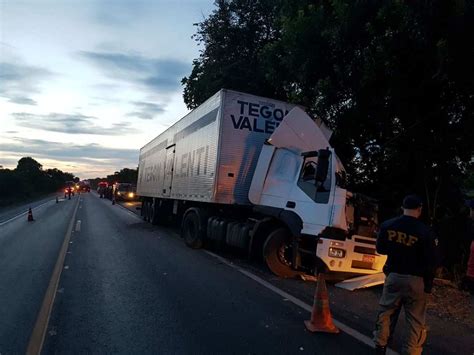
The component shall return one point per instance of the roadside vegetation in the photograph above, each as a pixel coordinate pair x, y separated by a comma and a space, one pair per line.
29, 181
393, 79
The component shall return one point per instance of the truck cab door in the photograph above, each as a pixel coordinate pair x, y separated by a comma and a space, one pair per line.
169, 171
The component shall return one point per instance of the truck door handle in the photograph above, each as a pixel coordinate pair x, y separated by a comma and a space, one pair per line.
291, 204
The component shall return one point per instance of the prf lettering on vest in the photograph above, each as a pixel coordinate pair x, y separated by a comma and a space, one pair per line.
402, 238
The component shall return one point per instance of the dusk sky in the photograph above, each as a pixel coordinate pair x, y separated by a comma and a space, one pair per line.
85, 84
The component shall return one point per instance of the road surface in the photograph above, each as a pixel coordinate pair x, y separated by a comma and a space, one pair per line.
126, 286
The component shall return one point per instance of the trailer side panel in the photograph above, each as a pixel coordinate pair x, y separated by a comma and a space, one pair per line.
247, 121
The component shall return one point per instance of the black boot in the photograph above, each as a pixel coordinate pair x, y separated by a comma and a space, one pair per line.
380, 350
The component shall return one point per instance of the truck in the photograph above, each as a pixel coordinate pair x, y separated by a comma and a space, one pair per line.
125, 191
256, 174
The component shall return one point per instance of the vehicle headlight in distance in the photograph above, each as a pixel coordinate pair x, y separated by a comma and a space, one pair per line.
118, 193
336, 253
131, 194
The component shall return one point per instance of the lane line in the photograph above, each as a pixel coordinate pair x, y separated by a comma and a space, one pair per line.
24, 213
78, 225
36, 341
345, 328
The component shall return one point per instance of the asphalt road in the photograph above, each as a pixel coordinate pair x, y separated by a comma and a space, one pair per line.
129, 287
28, 253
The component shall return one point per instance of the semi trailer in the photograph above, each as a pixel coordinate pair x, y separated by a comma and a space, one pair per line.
258, 174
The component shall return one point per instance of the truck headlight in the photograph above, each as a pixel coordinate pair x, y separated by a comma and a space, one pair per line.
336, 253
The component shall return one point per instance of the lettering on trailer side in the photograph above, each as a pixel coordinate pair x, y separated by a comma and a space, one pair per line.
152, 172
194, 163
258, 117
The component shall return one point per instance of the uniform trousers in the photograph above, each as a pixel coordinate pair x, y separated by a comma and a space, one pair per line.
405, 291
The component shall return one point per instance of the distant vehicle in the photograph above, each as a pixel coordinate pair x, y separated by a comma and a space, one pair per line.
69, 189
102, 188
125, 192
260, 175
84, 186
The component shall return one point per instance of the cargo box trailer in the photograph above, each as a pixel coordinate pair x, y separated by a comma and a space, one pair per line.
259, 174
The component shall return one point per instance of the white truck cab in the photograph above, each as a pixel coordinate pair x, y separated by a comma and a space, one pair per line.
297, 171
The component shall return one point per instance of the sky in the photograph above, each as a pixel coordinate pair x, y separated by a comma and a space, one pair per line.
84, 84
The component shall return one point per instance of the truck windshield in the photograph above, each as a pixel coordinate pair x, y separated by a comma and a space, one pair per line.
307, 181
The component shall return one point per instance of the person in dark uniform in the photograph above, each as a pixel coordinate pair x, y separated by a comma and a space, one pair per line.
412, 256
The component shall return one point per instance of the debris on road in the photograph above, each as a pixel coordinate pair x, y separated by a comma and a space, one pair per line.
362, 282
305, 277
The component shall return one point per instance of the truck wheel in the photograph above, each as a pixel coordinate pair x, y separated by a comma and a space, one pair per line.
191, 231
277, 253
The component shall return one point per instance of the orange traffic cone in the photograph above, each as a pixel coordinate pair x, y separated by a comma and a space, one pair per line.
30, 215
321, 319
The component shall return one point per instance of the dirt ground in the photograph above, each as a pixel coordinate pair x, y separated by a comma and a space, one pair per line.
451, 304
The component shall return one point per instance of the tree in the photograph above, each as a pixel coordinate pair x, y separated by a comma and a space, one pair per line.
29, 180
124, 175
233, 37
28, 165
392, 79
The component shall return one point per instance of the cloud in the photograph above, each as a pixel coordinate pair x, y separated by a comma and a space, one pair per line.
20, 81
146, 110
162, 75
92, 154
71, 124
23, 101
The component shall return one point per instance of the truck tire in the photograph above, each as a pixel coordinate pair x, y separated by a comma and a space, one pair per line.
155, 213
191, 231
276, 253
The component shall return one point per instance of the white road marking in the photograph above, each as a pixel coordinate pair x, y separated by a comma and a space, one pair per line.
78, 225
345, 328
24, 213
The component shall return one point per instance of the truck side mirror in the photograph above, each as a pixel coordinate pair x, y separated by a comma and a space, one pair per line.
323, 165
